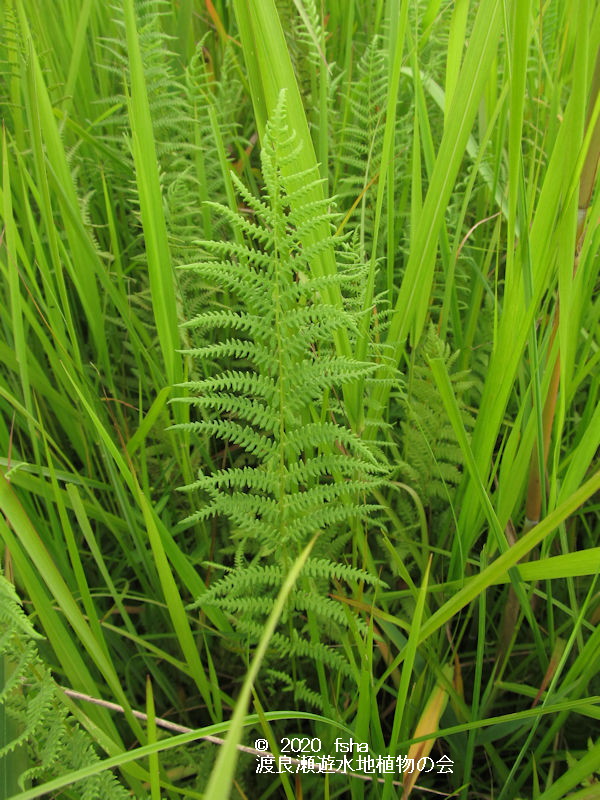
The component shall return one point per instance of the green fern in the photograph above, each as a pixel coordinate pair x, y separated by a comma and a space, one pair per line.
432, 458
181, 111
298, 688
39, 738
301, 471
361, 136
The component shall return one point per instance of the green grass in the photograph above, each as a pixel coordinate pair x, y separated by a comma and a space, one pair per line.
432, 479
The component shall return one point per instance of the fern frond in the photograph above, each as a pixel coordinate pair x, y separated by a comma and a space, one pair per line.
432, 457
301, 472
30, 697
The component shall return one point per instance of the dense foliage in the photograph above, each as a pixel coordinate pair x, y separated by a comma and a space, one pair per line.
299, 398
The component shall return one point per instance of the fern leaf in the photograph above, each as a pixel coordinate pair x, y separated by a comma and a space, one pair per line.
300, 473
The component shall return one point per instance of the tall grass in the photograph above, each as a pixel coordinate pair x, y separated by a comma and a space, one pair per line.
459, 145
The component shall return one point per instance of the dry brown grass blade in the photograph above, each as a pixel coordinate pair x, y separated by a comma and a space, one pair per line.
429, 722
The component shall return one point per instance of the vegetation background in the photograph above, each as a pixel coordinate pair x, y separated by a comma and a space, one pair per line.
302, 259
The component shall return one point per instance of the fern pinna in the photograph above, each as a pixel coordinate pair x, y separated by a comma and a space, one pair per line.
303, 471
